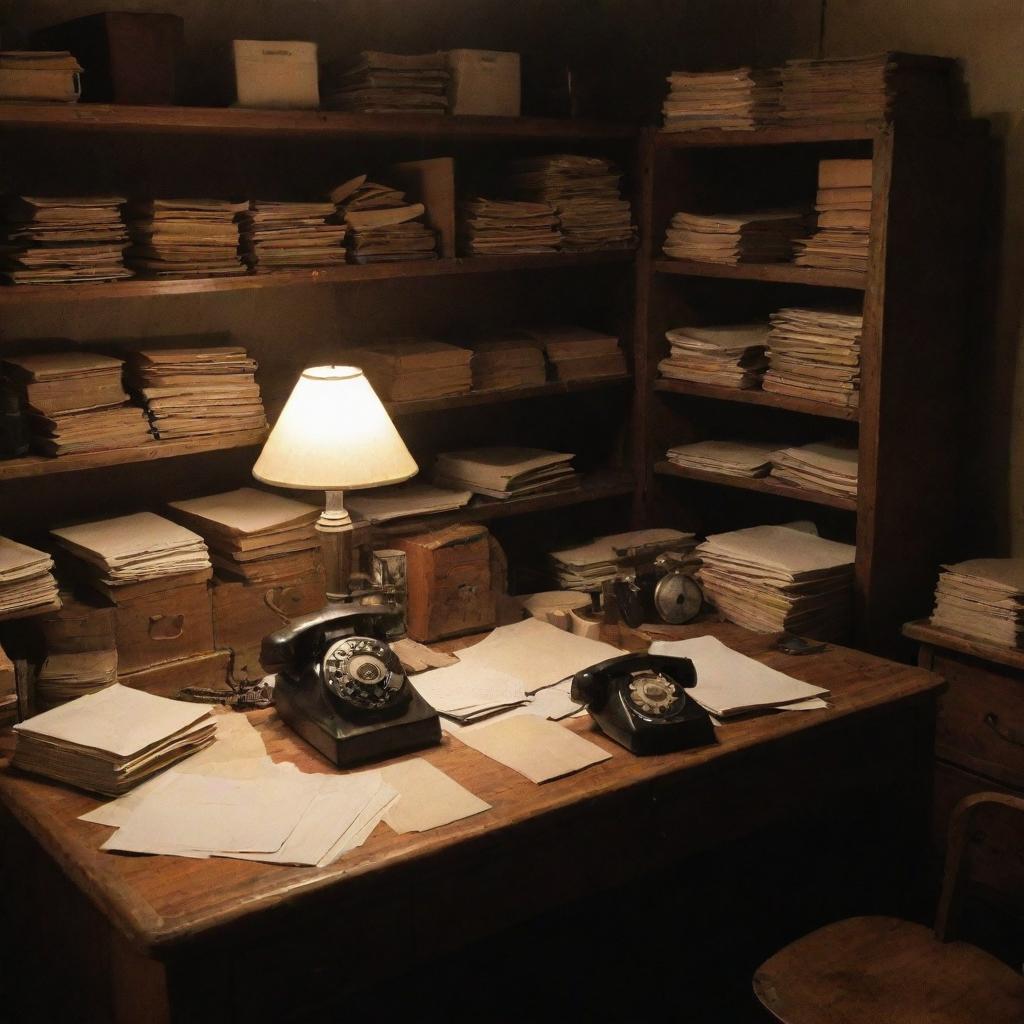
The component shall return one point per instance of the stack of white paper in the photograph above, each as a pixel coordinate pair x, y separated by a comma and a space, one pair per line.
735, 100
831, 468
507, 227
761, 237
275, 235
383, 504
731, 356
388, 83
588, 566
982, 598
844, 217
730, 458
502, 472
27, 585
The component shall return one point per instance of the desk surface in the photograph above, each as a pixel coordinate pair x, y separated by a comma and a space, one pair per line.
161, 902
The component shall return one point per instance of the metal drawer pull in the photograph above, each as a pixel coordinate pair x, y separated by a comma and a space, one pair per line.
1010, 735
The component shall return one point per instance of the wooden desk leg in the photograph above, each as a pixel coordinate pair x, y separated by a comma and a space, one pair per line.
138, 986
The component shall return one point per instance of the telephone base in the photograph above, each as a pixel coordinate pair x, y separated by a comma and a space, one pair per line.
692, 730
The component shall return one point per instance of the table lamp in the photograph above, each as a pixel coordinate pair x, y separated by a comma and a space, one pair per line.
334, 435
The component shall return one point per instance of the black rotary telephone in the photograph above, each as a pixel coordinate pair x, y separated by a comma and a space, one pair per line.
640, 701
342, 688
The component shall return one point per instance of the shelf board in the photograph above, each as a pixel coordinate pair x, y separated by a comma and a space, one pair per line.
754, 396
302, 124
764, 485
771, 135
783, 273
40, 465
15, 295
924, 632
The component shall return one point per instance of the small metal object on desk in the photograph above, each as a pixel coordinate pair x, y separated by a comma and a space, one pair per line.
789, 644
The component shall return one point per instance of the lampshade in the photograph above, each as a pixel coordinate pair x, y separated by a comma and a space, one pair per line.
333, 435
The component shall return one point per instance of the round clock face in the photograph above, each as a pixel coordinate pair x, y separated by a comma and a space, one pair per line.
363, 672
678, 598
654, 695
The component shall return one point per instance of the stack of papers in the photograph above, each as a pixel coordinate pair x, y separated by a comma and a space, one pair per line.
254, 535
195, 392
584, 190
587, 567
49, 76
383, 504
27, 586
62, 241
185, 237
762, 237
771, 578
507, 359
736, 100
730, 458
507, 227
404, 369
844, 217
505, 472
382, 225
389, 83
830, 468
578, 353
109, 741
76, 403
66, 677
131, 549
282, 235
815, 354
728, 355
982, 598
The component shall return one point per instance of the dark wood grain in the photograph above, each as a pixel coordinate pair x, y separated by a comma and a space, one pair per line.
923, 631
790, 273
776, 135
755, 396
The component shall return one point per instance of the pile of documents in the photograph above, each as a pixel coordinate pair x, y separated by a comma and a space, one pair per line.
383, 227
584, 191
815, 354
771, 578
110, 741
982, 598
195, 392
76, 402
27, 585
389, 83
62, 241
578, 353
185, 237
404, 369
830, 468
383, 504
762, 237
748, 459
844, 217
507, 227
735, 100
254, 535
728, 355
277, 235
506, 472
507, 359
589, 566
34, 76
67, 676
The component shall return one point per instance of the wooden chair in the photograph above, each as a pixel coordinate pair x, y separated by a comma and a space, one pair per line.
882, 970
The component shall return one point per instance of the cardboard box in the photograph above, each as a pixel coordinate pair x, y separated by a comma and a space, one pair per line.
483, 82
209, 670
276, 75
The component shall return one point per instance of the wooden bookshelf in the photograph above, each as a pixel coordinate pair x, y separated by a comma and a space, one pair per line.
775, 135
783, 273
755, 396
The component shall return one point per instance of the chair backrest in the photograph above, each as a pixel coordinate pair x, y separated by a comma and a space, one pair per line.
985, 849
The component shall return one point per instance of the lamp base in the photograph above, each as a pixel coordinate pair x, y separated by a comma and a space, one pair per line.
334, 528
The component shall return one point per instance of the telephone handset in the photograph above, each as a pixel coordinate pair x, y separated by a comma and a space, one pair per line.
342, 688
640, 701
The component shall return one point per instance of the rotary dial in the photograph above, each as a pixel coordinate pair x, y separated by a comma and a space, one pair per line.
364, 672
653, 694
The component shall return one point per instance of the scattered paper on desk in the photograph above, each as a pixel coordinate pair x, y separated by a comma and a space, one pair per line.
534, 747
467, 688
427, 798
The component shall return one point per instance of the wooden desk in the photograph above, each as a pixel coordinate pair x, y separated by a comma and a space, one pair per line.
164, 938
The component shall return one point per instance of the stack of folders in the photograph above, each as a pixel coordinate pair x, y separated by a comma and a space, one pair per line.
584, 190
507, 227
982, 598
254, 535
578, 353
27, 586
389, 83
277, 236
185, 237
405, 369
383, 226
67, 676
195, 392
748, 459
736, 100
589, 566
383, 504
728, 355
506, 472
772, 578
62, 241
507, 359
34, 76
763, 237
830, 468
815, 354
844, 217
110, 741
76, 403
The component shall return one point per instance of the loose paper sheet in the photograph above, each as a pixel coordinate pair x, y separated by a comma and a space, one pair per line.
427, 797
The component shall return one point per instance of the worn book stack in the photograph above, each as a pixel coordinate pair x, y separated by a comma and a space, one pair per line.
506, 472
829, 468
736, 100
276, 236
728, 355
39, 76
507, 227
982, 598
27, 586
748, 459
774, 578
507, 359
383, 504
589, 566
762, 237
62, 241
383, 227
389, 83
578, 353
66, 677
196, 392
254, 535
815, 354
76, 402
404, 369
844, 217
185, 237
584, 191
